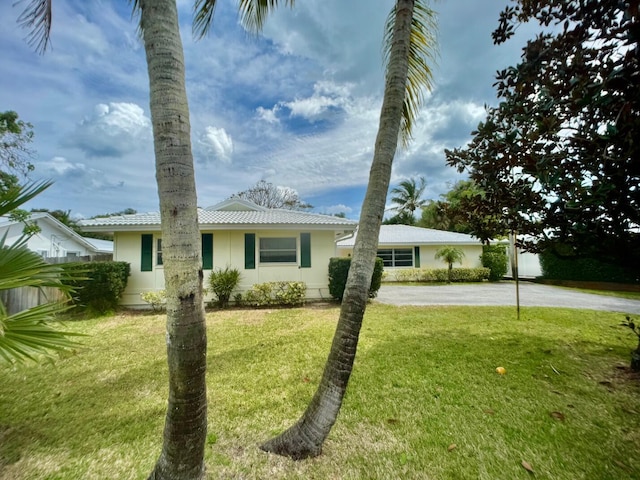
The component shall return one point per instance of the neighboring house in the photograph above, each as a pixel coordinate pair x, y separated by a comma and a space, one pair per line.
404, 246
264, 244
54, 239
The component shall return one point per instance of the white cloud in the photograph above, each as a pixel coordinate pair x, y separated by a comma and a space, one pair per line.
332, 209
325, 96
269, 115
112, 130
216, 142
60, 166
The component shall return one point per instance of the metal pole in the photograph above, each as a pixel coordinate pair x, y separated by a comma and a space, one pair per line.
516, 275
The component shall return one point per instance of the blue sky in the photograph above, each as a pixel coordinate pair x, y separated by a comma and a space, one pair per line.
297, 106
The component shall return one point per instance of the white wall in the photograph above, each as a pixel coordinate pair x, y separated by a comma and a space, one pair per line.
50, 241
427, 255
228, 249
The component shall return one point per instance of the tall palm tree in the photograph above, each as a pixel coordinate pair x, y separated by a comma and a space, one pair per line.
408, 197
409, 42
186, 421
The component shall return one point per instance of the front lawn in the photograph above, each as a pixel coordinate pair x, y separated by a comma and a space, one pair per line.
425, 401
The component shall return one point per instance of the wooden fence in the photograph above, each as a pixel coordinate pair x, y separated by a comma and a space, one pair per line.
17, 299
101, 257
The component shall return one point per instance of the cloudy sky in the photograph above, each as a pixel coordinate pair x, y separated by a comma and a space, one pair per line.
297, 106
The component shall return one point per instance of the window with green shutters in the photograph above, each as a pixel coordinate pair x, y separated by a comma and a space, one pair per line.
278, 250
207, 251
416, 256
146, 258
396, 257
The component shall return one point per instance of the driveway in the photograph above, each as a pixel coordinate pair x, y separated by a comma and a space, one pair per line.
502, 293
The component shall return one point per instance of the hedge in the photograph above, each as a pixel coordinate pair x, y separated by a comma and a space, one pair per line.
339, 270
584, 269
100, 286
439, 275
494, 257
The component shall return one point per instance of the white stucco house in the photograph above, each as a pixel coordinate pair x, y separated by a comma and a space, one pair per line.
54, 239
405, 246
264, 244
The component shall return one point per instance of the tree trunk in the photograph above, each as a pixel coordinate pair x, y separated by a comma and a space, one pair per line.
185, 430
306, 437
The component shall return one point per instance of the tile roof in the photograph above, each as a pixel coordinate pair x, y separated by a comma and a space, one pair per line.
225, 218
408, 235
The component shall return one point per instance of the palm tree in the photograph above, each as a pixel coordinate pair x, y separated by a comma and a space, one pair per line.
182, 455
408, 197
29, 332
449, 255
409, 43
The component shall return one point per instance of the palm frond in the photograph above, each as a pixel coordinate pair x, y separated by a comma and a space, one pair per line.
422, 52
13, 198
253, 13
203, 11
20, 267
36, 18
29, 333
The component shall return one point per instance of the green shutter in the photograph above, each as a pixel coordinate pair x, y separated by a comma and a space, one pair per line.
416, 257
146, 258
249, 251
305, 250
207, 251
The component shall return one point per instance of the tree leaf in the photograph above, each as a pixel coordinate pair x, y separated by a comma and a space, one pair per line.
527, 466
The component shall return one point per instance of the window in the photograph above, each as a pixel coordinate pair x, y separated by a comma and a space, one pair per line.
159, 251
278, 250
396, 257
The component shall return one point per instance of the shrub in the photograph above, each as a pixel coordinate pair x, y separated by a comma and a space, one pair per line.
276, 294
157, 299
223, 282
339, 270
583, 269
494, 257
100, 286
441, 275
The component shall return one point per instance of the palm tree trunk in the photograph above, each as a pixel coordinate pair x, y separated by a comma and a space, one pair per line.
182, 455
306, 437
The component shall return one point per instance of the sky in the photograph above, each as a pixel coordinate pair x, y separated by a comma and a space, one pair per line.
297, 106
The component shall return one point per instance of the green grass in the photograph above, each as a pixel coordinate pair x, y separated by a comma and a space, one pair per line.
424, 380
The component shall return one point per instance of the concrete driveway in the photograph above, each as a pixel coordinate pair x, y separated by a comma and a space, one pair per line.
502, 293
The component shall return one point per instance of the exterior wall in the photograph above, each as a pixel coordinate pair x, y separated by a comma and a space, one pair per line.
427, 255
471, 256
228, 249
49, 242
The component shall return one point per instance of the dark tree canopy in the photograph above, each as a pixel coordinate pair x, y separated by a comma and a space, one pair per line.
559, 157
15, 137
454, 211
268, 195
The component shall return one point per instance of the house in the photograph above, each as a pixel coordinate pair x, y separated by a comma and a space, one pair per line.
405, 246
263, 244
54, 239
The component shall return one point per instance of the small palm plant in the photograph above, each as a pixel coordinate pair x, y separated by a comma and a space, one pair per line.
223, 282
29, 333
450, 255
635, 354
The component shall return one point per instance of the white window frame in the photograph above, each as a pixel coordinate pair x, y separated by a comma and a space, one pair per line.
294, 250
